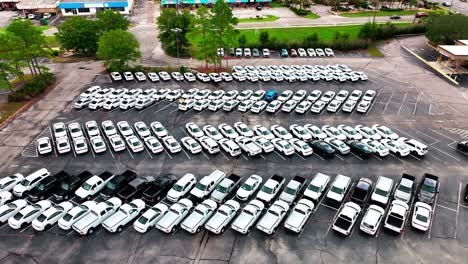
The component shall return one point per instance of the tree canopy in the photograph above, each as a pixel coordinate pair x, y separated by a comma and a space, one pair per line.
79, 35
168, 21
109, 20
445, 29
117, 48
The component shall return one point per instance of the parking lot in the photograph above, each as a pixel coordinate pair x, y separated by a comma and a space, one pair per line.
402, 104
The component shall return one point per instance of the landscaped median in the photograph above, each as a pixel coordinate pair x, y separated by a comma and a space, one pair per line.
381, 13
267, 18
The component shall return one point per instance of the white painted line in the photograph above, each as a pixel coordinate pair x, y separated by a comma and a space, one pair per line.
299, 156
448, 208
416, 105
418, 131
406, 133
463, 206
386, 105
205, 154
24, 229
356, 156
377, 157
339, 156
391, 154
129, 152
402, 103
318, 156
435, 131
279, 155
433, 157
224, 155
458, 210
157, 111
415, 157
186, 154
262, 157
243, 156
167, 153
446, 153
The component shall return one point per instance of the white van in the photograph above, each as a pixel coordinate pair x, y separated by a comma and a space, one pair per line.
209, 144
415, 146
207, 184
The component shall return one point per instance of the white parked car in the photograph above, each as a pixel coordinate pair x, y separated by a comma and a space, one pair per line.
333, 132
281, 132
191, 145
161, 94
396, 217
177, 212
116, 76
258, 95
212, 132
142, 130
285, 96
44, 146
274, 106
249, 187
171, 144
226, 76
154, 77
372, 218
382, 191
273, 217
244, 95
369, 95
289, 106
223, 216
98, 145
334, 106
243, 129
346, 219
317, 186
187, 104
303, 107
299, 215
5, 196
92, 129
109, 128
339, 188
230, 95
30, 181
181, 187
209, 144
396, 147
153, 145
9, 182
75, 214
173, 95
97, 216
349, 132
367, 132
90, 92
376, 147
126, 213
135, 144
10, 209
215, 95
75, 130
247, 145
150, 217
422, 216
128, 76
338, 145
228, 131
300, 132
50, 216
248, 216
327, 96
93, 185
140, 76
59, 130
318, 107
230, 147
363, 106
329, 52
301, 147
315, 131
117, 143
159, 130
202, 212
28, 214
283, 146
201, 105
190, 77
349, 106
264, 144
164, 76
342, 95
415, 146
263, 132
314, 96
385, 132
203, 77
194, 130
125, 129
177, 76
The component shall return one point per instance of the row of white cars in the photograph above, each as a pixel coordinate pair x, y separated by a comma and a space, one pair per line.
234, 140
270, 101
287, 73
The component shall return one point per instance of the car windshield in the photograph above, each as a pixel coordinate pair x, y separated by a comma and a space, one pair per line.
289, 190
125, 128
87, 186
65, 186
195, 129
143, 220
428, 188
43, 145
267, 189
421, 218
99, 144
404, 189
381, 192
221, 189
337, 190
59, 129
195, 145
41, 187
314, 188
63, 144
136, 143
111, 185
41, 218
246, 187
201, 186
18, 216
178, 188
118, 142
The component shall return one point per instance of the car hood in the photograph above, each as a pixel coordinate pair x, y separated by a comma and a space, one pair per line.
114, 219
168, 220
173, 194
193, 220
403, 196
268, 221
311, 194
334, 196
380, 198
264, 196
426, 195
243, 220
217, 220
295, 220
19, 189
218, 195
288, 198
243, 193
197, 192
81, 193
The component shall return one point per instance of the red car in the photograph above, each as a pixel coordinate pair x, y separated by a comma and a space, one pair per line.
293, 53
420, 15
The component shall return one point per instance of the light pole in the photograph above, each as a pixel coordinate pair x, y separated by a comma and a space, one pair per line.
176, 32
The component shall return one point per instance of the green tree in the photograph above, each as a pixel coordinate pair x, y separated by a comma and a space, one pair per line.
79, 35
242, 40
223, 22
201, 26
446, 29
109, 20
31, 45
264, 38
117, 48
169, 20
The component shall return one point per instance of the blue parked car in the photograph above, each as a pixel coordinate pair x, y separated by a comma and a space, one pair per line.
284, 53
271, 95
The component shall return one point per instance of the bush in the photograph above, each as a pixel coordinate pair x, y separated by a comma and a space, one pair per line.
299, 12
391, 9
33, 88
373, 31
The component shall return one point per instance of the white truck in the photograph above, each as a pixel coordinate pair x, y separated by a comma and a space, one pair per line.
248, 145
126, 213
405, 188
396, 217
273, 217
93, 185
97, 216
270, 189
293, 189
225, 187
206, 185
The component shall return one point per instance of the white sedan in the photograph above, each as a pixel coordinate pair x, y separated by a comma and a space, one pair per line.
300, 132
124, 129
135, 144
92, 129
80, 146
191, 145
396, 147
10, 209
75, 130
153, 145
142, 130
109, 128
9, 182
243, 129
263, 132
376, 147
117, 143
349, 132
338, 145
159, 130
285, 96
194, 130
264, 144
249, 187
98, 145
422, 216
44, 146
368, 132
244, 95
301, 147
315, 131
333, 132
385, 132
50, 216
171, 144
150, 217
281, 132
228, 131
28, 214
75, 214
299, 215
212, 132
283, 146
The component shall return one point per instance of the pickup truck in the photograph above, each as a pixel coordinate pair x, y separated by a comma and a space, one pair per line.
226, 212
70, 184
97, 216
47, 187
29, 182
396, 217
346, 219
225, 187
204, 187
117, 184
249, 146
158, 189
293, 189
126, 213
429, 189
135, 188
273, 217
270, 189
93, 185
405, 188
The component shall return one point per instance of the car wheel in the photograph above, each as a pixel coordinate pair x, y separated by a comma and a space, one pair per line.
66, 197
41, 198
88, 197
198, 230
119, 229
173, 230
222, 230
90, 231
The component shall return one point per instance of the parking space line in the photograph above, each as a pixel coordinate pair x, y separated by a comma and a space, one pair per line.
418, 131
186, 154
415, 157
129, 152
24, 229
339, 156
167, 153
435, 131
262, 156
157, 111
445, 153
402, 103
318, 156
205, 154
433, 213
391, 154
224, 155
458, 210
243, 156
416, 105
356, 156
279, 155
109, 146
377, 157
299, 156
85, 132
386, 105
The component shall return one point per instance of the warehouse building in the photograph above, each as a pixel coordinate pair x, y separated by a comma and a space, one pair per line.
91, 7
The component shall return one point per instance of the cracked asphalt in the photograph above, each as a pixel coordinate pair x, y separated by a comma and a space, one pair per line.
412, 99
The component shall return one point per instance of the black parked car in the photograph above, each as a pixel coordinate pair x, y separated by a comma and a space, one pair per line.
158, 189
47, 187
463, 146
465, 198
135, 188
362, 191
117, 183
70, 184
322, 148
359, 149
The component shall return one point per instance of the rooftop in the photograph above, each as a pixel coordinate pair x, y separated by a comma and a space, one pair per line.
36, 4
455, 50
